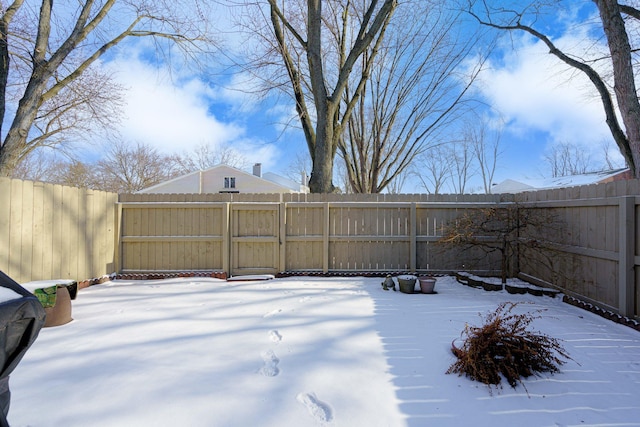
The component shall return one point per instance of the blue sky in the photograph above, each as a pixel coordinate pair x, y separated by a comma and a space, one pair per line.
541, 101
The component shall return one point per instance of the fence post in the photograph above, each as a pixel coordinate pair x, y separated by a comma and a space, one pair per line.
325, 239
226, 238
413, 238
118, 238
626, 261
282, 236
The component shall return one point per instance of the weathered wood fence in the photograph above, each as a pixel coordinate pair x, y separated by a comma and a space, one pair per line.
596, 253
52, 231
249, 234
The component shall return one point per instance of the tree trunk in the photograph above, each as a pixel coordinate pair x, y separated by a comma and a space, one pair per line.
15, 146
321, 180
4, 68
9, 158
624, 80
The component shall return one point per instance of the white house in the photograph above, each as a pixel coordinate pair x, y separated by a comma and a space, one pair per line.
227, 179
520, 186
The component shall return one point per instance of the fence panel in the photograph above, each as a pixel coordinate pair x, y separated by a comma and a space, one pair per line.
581, 254
172, 236
50, 231
367, 236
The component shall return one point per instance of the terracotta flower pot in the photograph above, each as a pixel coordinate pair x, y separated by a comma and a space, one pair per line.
427, 284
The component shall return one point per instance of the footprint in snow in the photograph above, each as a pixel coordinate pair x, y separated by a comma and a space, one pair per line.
275, 336
272, 313
317, 409
270, 367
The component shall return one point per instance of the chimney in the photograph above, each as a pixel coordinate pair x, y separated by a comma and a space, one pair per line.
257, 170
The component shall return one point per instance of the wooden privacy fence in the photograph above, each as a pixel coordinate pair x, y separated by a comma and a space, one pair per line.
168, 233
50, 231
593, 255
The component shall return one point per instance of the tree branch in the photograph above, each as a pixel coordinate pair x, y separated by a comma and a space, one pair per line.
629, 10
611, 119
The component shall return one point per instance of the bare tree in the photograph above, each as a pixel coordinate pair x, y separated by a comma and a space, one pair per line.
417, 85
74, 173
433, 168
485, 144
502, 230
397, 185
341, 177
58, 168
36, 167
127, 168
124, 168
204, 156
298, 169
318, 74
608, 153
568, 159
461, 165
612, 18
46, 55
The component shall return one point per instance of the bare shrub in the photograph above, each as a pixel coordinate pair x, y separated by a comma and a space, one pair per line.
504, 347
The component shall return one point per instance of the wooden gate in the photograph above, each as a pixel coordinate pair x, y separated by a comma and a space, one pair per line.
255, 238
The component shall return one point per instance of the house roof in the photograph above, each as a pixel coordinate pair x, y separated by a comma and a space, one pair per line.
521, 185
212, 181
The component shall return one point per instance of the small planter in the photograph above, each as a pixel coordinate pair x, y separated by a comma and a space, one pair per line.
462, 278
475, 283
491, 286
427, 284
407, 283
536, 291
550, 292
515, 289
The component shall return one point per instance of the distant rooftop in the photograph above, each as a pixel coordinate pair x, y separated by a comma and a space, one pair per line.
525, 184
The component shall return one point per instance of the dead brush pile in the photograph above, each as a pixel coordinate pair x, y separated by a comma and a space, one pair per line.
504, 348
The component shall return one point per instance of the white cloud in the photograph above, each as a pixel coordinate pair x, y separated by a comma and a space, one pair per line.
242, 91
171, 117
177, 113
536, 92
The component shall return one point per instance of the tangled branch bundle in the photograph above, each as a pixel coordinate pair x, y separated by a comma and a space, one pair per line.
503, 347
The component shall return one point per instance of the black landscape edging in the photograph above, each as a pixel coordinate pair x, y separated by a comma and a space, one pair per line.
607, 314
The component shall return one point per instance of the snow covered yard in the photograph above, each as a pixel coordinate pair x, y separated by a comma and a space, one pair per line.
307, 351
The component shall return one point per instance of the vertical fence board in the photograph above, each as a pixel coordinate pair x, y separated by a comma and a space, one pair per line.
49, 244
5, 226
40, 250
626, 259
16, 224
26, 231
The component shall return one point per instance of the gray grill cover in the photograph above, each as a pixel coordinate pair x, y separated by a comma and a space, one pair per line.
20, 322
